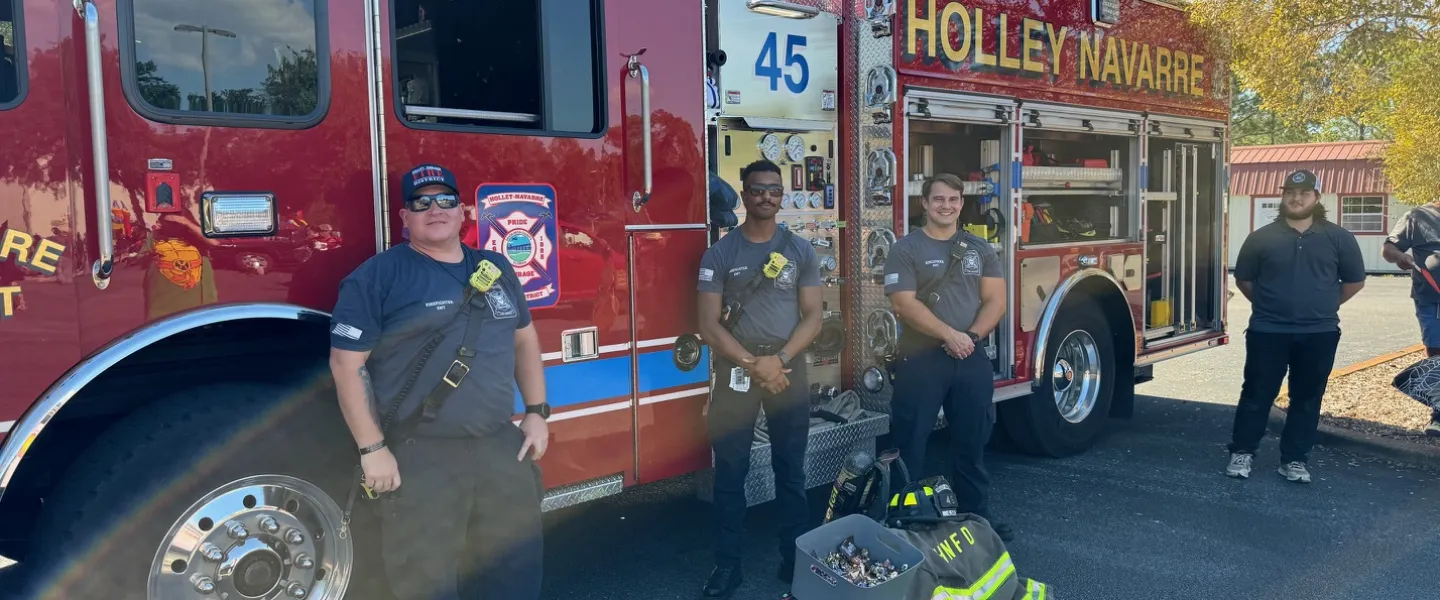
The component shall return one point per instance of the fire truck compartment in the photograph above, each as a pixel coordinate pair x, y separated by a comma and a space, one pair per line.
1183, 259
1077, 188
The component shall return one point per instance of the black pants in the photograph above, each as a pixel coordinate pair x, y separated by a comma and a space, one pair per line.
924, 382
732, 431
465, 522
1309, 358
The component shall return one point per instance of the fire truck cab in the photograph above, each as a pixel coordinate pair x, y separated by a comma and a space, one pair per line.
187, 183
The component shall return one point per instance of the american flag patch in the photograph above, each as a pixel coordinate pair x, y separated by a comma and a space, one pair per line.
342, 329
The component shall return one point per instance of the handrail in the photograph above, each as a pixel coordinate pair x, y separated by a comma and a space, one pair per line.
99, 149
638, 70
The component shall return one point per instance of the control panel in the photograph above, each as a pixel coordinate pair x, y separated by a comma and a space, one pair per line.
809, 209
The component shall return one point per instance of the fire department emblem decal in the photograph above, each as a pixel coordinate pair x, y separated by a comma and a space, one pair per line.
518, 222
971, 263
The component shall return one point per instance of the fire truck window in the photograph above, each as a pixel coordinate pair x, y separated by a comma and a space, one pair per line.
246, 57
526, 64
11, 57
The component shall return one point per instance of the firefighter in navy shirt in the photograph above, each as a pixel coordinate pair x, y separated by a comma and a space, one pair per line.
1414, 245
758, 363
459, 488
938, 361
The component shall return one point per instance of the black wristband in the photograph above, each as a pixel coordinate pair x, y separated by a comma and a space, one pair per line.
372, 448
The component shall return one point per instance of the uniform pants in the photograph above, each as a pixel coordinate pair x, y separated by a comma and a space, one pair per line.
1309, 358
731, 423
465, 522
925, 381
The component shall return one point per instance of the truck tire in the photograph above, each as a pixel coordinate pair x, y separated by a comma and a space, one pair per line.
1068, 410
230, 489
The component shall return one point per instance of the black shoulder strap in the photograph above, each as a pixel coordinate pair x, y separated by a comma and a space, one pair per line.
449, 382
958, 246
736, 308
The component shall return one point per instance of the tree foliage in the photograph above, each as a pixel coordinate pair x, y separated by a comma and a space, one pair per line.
1344, 64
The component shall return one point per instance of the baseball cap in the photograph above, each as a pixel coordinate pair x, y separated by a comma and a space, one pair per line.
1301, 180
427, 174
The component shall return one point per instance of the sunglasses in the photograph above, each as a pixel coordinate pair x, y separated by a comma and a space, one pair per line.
422, 203
774, 191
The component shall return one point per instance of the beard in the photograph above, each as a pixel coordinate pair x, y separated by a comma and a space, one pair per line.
1298, 214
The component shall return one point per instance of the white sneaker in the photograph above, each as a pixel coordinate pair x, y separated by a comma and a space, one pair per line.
1240, 465
1295, 471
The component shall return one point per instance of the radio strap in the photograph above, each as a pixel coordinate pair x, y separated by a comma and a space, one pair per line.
736, 309
928, 294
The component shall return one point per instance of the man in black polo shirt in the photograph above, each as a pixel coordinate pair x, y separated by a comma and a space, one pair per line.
1296, 271
459, 487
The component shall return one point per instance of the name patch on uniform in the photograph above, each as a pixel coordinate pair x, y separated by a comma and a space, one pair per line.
971, 263
485, 276
500, 305
892, 278
707, 274
777, 262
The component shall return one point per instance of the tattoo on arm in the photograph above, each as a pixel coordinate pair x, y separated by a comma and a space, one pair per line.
369, 394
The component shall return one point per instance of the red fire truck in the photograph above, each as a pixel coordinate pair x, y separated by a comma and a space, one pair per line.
179, 176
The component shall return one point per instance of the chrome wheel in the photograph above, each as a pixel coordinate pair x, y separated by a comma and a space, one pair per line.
1075, 377
262, 537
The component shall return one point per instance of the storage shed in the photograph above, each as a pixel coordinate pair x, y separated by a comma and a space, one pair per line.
1352, 186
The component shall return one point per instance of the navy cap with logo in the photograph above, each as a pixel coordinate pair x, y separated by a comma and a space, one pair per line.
1301, 180
424, 175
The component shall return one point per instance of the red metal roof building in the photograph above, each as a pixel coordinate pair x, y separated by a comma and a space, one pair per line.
1352, 185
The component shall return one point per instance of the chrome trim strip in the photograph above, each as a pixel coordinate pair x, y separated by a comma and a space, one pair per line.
584, 491
379, 180
634, 357
1016, 390
59, 394
1212, 341
668, 227
1047, 318
479, 115
788, 124
99, 149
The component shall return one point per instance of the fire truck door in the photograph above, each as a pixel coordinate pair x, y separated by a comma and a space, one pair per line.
219, 131
40, 265
663, 197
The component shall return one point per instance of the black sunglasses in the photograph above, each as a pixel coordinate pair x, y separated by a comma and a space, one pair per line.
422, 203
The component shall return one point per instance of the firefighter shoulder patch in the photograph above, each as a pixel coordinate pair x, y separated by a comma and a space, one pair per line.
970, 265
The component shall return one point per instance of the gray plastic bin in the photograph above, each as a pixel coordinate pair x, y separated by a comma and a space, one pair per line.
815, 581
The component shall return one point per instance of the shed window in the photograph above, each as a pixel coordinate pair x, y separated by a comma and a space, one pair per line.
1363, 214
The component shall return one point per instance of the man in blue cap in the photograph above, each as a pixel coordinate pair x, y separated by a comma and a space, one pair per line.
467, 515
1296, 271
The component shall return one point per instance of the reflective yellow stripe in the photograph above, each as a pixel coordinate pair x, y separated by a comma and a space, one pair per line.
984, 588
1035, 590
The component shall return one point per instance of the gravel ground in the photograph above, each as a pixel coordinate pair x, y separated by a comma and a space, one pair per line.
1365, 402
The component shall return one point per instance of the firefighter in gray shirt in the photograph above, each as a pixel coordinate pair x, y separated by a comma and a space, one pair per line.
759, 292
938, 361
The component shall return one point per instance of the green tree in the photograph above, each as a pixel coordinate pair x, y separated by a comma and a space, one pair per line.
1356, 69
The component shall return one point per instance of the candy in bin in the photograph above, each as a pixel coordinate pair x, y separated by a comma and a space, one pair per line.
852, 563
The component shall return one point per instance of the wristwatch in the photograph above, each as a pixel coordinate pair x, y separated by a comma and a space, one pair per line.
784, 358
542, 409
973, 337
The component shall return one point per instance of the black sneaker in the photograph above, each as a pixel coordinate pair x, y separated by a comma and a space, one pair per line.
1433, 429
723, 582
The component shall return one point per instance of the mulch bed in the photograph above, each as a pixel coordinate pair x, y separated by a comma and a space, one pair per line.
1365, 402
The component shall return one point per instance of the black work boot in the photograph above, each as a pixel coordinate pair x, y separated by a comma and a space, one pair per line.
786, 572
723, 582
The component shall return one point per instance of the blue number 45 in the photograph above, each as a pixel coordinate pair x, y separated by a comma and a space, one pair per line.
767, 65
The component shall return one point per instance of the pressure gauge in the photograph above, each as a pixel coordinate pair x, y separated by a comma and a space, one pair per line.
770, 147
786, 202
795, 148
827, 263
817, 201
